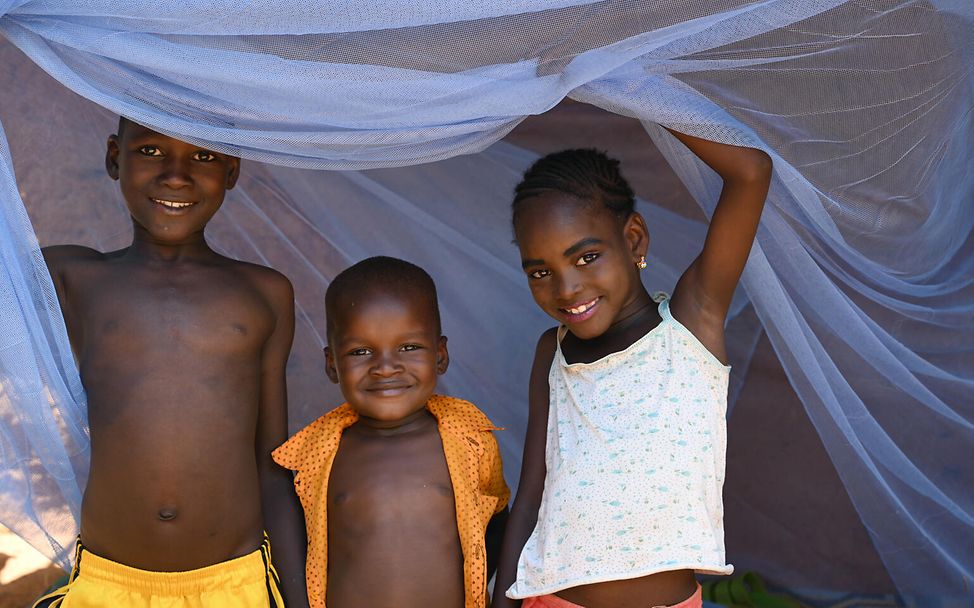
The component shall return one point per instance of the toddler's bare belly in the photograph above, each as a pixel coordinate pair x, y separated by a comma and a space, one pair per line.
395, 568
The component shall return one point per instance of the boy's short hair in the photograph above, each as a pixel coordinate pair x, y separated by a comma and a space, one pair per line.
381, 274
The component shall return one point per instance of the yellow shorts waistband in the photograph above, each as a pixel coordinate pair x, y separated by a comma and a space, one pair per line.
245, 570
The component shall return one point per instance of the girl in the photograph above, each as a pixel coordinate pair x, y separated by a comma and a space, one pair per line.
620, 492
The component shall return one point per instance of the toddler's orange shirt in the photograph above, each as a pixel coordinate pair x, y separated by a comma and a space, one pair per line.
472, 458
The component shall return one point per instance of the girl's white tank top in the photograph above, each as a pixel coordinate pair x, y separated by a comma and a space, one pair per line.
635, 465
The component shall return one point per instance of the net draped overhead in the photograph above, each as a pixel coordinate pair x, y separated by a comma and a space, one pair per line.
862, 274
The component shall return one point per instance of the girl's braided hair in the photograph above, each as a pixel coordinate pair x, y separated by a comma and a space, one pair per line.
587, 174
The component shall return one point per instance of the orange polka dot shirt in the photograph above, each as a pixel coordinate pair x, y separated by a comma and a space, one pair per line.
474, 463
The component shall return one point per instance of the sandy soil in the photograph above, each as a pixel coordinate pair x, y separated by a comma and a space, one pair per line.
24, 573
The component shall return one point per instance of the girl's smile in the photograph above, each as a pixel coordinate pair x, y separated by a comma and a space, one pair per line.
580, 312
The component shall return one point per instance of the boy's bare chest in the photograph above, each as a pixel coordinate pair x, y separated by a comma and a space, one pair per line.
391, 519
205, 312
379, 482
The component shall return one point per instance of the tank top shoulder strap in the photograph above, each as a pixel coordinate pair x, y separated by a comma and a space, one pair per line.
559, 336
663, 299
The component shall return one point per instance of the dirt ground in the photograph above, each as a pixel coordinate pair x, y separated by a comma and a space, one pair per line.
24, 573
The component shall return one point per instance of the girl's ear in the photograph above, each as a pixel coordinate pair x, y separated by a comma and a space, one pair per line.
330, 370
442, 356
111, 157
636, 235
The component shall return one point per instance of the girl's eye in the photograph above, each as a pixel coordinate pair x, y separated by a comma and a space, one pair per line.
538, 274
204, 156
360, 352
587, 258
150, 151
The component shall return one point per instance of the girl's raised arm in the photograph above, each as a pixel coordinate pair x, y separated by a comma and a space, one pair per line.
703, 294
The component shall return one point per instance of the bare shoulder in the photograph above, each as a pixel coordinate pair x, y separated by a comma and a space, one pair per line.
57, 256
273, 285
546, 346
64, 262
544, 355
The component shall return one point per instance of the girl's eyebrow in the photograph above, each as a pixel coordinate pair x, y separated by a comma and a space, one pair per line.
581, 244
591, 240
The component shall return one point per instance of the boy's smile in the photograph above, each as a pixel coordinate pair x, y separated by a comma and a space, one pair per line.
175, 206
579, 259
172, 188
386, 352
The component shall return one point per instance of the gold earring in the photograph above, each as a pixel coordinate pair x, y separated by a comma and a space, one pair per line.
641, 264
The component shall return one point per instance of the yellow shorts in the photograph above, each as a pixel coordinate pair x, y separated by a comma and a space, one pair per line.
244, 582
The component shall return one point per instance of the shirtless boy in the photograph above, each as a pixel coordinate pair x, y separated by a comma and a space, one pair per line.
403, 491
182, 354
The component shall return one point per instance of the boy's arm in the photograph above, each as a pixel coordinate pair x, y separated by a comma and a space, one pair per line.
524, 513
52, 257
283, 518
57, 257
703, 294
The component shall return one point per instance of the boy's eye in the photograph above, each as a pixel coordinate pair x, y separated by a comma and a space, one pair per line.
360, 352
204, 156
409, 347
150, 151
539, 274
587, 258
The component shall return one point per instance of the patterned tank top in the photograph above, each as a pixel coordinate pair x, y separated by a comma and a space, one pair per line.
635, 465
